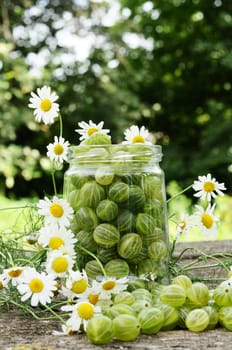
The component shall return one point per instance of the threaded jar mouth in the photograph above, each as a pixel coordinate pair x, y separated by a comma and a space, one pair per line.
113, 153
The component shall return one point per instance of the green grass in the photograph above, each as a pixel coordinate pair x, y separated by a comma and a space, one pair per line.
17, 217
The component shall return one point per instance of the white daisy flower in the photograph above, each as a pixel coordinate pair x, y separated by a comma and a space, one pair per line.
58, 150
184, 224
207, 220
76, 284
45, 108
15, 274
135, 135
87, 129
82, 312
56, 211
37, 286
59, 263
56, 237
109, 286
208, 187
3, 282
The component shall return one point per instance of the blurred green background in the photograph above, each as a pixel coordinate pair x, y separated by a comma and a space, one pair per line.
164, 64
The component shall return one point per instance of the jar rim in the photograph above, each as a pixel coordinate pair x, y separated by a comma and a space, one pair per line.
137, 153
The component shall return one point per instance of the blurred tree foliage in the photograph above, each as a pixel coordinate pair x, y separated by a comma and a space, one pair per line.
165, 64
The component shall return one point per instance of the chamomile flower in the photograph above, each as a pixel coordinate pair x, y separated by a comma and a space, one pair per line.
76, 284
109, 286
207, 221
37, 286
58, 150
184, 224
3, 282
45, 108
59, 263
56, 211
81, 313
15, 274
87, 129
208, 187
135, 135
56, 237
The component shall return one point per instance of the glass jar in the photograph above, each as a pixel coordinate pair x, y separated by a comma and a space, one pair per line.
119, 199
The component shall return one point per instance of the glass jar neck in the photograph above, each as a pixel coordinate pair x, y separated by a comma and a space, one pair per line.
135, 154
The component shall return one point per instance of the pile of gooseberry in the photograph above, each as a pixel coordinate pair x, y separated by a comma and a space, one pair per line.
182, 304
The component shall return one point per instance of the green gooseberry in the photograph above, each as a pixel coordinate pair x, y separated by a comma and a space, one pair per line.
126, 327
173, 295
142, 294
125, 221
152, 187
104, 175
183, 281
106, 254
99, 330
107, 210
151, 320
197, 295
85, 239
130, 245
171, 316
118, 192
93, 269
212, 311
145, 224
157, 250
183, 312
147, 266
222, 294
225, 317
86, 219
117, 268
124, 297
106, 235
91, 193
136, 199
97, 138
197, 320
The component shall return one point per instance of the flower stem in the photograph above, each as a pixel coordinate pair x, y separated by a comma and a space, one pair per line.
61, 125
54, 182
94, 256
179, 193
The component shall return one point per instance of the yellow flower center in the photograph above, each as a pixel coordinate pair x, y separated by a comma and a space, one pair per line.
79, 286
91, 131
182, 225
15, 273
138, 139
108, 285
56, 210
60, 264
58, 149
45, 105
93, 298
85, 311
1, 285
209, 186
36, 285
207, 220
55, 243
